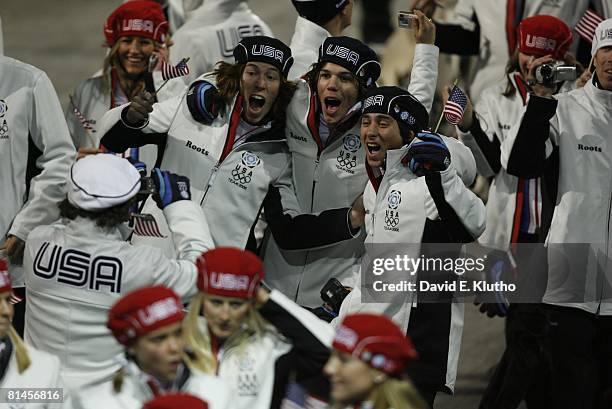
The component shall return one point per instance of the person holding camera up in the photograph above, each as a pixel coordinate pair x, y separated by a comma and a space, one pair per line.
78, 267
570, 133
514, 208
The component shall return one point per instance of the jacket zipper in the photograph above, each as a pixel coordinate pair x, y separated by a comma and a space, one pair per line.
215, 169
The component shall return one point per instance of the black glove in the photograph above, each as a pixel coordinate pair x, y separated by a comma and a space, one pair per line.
169, 187
204, 102
427, 153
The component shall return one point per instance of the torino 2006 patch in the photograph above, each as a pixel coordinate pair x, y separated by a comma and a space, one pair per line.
347, 158
242, 174
392, 219
4, 129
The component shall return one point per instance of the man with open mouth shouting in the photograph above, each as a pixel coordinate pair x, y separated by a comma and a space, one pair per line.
226, 132
417, 198
328, 161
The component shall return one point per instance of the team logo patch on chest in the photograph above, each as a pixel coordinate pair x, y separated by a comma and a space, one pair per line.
243, 172
4, 129
392, 219
347, 156
248, 382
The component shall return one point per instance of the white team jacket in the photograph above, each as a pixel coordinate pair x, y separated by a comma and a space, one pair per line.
212, 32
581, 129
230, 192
135, 392
43, 372
496, 115
30, 119
330, 177
409, 197
305, 43
76, 271
492, 15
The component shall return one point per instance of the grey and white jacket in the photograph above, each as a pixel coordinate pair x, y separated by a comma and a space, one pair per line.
75, 271
43, 372
329, 177
402, 210
135, 390
575, 126
211, 33
229, 183
35, 152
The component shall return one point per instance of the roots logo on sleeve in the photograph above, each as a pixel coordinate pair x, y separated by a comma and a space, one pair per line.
4, 129
394, 199
347, 156
243, 172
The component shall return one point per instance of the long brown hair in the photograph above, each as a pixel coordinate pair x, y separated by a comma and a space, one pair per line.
312, 77
228, 77
513, 66
130, 86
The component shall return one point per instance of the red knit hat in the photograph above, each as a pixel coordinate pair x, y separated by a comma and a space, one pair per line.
140, 18
542, 35
229, 272
175, 401
5, 278
376, 340
142, 311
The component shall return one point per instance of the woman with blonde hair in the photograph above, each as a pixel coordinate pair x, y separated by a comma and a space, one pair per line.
255, 340
148, 322
366, 367
137, 37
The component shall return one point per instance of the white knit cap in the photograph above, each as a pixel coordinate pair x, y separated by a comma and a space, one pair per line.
97, 182
603, 36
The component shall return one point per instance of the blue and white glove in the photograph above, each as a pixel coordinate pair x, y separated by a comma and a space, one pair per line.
170, 188
204, 102
498, 269
427, 153
141, 167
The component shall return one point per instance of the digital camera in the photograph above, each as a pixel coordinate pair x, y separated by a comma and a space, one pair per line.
555, 73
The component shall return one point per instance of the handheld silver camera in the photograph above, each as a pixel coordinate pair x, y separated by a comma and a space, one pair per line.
554, 73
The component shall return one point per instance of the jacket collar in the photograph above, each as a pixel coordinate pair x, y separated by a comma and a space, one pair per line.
601, 96
80, 224
393, 163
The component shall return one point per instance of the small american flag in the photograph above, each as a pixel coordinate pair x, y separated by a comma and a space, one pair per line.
86, 125
170, 71
145, 225
453, 110
587, 25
